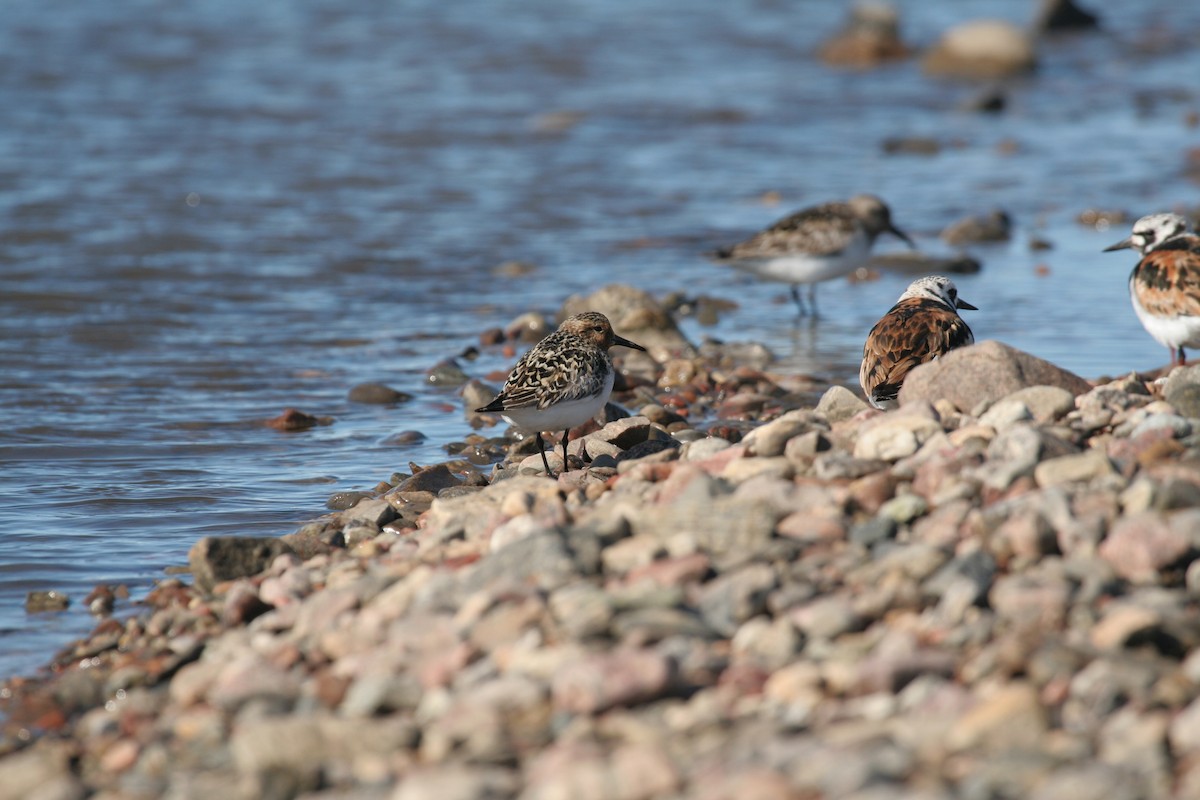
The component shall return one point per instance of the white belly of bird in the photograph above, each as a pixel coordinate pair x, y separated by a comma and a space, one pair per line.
563, 415
1172, 332
804, 268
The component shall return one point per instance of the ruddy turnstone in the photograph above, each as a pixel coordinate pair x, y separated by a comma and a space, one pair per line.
815, 244
1165, 284
923, 325
564, 381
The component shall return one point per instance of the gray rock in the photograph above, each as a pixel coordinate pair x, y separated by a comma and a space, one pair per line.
432, 479
583, 610
371, 512
1185, 730
1086, 466
976, 568
641, 626
1186, 400
26, 771
729, 600
983, 374
894, 436
541, 560
995, 226
1045, 403
770, 439
1093, 781
702, 449
873, 531
377, 394
839, 403
214, 559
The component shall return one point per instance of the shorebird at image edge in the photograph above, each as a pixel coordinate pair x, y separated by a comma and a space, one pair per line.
1164, 285
563, 381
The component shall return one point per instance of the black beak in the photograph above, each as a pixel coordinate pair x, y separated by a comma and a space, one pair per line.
899, 234
964, 304
1124, 244
621, 340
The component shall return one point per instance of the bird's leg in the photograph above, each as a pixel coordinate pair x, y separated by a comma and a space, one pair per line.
1180, 356
800, 310
542, 450
564, 444
812, 299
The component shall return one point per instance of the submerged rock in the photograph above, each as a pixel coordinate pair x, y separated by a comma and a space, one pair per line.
982, 49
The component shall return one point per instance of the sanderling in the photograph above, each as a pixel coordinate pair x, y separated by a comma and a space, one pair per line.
564, 381
815, 244
1165, 284
923, 325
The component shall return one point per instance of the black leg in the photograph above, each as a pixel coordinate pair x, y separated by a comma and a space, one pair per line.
1181, 356
542, 450
812, 299
800, 311
564, 444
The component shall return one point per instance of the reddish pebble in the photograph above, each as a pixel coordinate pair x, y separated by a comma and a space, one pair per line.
293, 420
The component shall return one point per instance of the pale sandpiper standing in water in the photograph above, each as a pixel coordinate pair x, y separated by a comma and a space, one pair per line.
1165, 284
923, 325
815, 244
564, 381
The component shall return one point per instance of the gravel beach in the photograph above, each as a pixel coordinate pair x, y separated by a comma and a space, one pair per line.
757, 587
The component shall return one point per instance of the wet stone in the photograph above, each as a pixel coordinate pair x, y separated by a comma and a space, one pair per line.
340, 501
377, 394
39, 601
214, 559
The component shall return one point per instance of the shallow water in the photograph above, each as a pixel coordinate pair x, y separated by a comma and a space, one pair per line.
214, 211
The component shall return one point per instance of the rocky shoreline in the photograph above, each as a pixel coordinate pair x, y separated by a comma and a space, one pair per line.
991, 592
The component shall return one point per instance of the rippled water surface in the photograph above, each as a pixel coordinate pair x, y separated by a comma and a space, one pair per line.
213, 211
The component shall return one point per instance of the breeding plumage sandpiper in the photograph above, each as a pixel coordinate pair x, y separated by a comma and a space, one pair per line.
1165, 284
564, 381
923, 325
815, 244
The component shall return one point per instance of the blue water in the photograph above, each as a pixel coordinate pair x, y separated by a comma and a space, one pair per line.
213, 211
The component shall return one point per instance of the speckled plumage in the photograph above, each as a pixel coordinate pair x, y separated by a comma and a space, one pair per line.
563, 381
1164, 286
923, 325
815, 244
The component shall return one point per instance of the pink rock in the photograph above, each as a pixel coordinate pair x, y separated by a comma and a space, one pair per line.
807, 527
602, 681
986, 372
1140, 545
671, 571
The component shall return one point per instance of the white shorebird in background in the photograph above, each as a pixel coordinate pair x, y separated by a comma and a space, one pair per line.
815, 244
